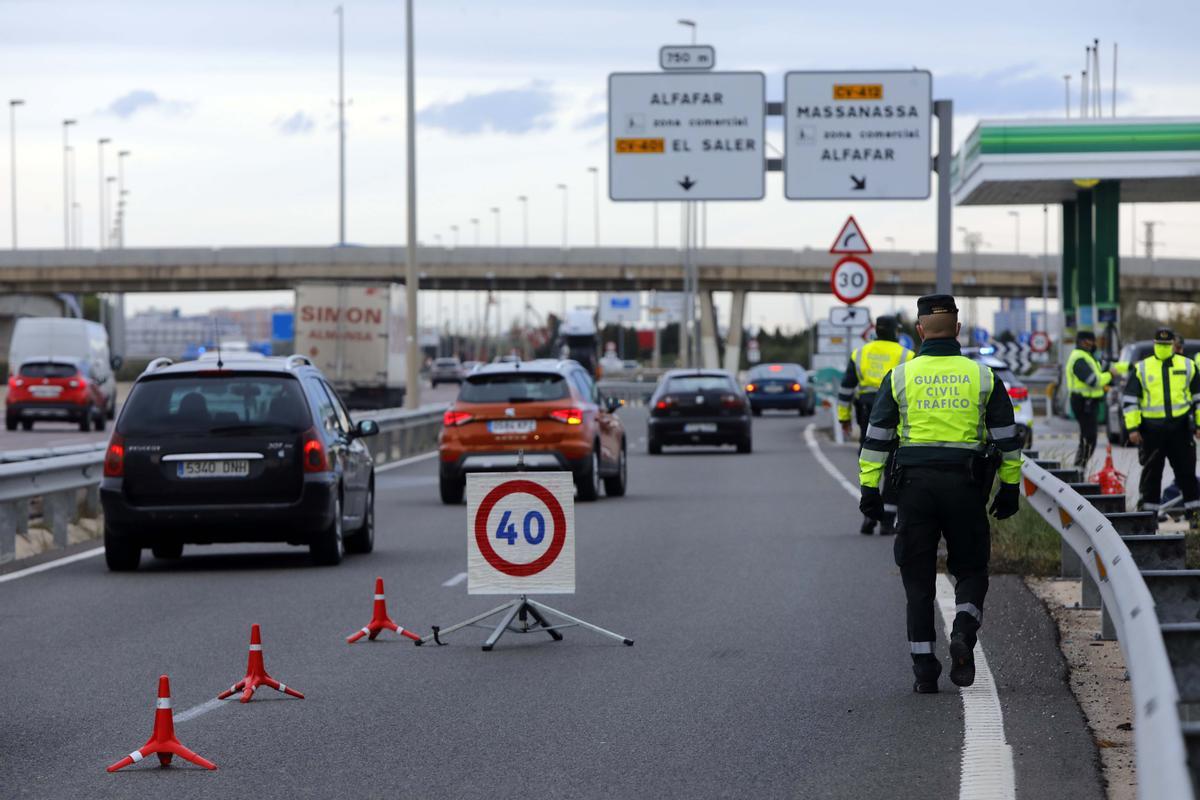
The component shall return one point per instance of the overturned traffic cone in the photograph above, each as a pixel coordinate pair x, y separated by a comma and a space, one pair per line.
379, 620
1110, 479
162, 742
256, 673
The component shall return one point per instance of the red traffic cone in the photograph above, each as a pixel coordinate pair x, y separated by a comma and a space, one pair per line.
1110, 479
256, 673
162, 742
379, 620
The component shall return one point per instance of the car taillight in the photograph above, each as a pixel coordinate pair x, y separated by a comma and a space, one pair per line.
571, 416
731, 401
1018, 393
74, 384
795, 387
664, 404
314, 453
16, 382
114, 457
750, 387
452, 418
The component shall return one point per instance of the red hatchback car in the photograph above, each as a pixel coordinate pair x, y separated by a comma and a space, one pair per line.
58, 390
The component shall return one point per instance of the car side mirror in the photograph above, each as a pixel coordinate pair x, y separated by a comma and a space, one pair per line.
366, 427
115, 362
611, 404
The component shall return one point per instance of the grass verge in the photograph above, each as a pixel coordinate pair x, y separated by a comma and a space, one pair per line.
1025, 544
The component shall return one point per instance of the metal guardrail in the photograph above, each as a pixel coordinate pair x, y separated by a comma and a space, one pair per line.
9, 456
632, 392
58, 479
1161, 749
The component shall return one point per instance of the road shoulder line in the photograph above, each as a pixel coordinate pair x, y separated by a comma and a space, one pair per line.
987, 764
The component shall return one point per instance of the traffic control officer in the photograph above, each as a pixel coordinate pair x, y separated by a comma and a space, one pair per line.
1087, 383
1160, 402
950, 422
860, 382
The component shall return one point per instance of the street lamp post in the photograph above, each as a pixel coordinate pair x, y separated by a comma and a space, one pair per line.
1017, 241
412, 393
100, 151
454, 233
341, 128
595, 204
1067, 84
66, 127
475, 223
524, 201
12, 144
563, 188
121, 156
496, 219
1045, 267
108, 205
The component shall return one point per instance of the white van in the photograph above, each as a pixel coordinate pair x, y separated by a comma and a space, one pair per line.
68, 338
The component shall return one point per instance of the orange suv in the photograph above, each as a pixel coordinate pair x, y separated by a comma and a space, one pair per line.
548, 409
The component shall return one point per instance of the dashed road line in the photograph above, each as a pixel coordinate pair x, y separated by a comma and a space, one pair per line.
455, 580
987, 771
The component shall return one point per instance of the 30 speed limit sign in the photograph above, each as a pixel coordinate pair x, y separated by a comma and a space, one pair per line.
852, 279
520, 533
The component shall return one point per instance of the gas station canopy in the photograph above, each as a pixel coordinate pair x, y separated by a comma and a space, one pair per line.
1028, 162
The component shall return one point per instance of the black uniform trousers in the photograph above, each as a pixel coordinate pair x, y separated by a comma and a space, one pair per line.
1162, 441
935, 502
862, 414
1086, 411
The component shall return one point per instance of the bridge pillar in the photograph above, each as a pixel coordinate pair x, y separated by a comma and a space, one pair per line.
1085, 270
1069, 274
1107, 271
733, 342
708, 332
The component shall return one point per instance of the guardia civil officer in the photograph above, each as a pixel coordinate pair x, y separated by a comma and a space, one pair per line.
860, 382
1160, 402
1087, 383
942, 414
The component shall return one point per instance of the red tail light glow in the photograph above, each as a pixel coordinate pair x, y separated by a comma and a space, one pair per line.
571, 416
114, 457
314, 453
665, 403
731, 401
453, 418
795, 387
1018, 393
750, 387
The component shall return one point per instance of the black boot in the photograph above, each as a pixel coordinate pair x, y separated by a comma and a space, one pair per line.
887, 525
962, 660
927, 669
868, 526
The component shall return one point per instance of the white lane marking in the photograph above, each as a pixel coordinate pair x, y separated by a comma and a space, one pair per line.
456, 580
987, 762
195, 711
58, 562
987, 765
404, 462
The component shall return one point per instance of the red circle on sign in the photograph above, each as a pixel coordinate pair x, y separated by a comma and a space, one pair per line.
1039, 341
485, 544
849, 298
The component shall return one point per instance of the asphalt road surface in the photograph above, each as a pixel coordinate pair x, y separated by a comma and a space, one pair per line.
770, 659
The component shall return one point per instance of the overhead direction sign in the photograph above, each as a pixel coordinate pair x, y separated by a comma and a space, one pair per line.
686, 136
620, 307
520, 533
687, 56
857, 135
851, 241
852, 280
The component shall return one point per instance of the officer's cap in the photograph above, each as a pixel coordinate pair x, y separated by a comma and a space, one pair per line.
1085, 336
885, 326
936, 304
1164, 336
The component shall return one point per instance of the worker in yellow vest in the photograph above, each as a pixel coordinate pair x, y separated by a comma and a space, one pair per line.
1161, 414
866, 370
1087, 383
949, 422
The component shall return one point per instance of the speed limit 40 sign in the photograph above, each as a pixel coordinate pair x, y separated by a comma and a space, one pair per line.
852, 279
520, 533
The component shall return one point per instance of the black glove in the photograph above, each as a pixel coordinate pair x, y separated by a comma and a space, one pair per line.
871, 503
1006, 502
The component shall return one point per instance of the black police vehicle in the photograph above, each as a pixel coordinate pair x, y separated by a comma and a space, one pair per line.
240, 450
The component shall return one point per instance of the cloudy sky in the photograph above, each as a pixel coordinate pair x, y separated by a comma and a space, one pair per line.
228, 108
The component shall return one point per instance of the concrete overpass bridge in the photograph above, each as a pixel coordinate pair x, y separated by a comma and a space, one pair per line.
551, 269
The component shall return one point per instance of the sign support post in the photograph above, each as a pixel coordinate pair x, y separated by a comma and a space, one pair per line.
944, 109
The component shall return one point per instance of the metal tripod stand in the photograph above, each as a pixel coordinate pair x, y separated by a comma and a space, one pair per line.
516, 615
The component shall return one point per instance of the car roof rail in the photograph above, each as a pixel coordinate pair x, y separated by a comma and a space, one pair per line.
296, 360
158, 364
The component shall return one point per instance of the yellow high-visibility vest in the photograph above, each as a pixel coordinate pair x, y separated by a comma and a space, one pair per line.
1083, 388
1153, 403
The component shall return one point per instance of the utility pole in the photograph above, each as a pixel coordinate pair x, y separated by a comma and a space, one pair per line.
595, 204
12, 147
66, 127
342, 128
944, 109
412, 389
121, 156
1067, 81
524, 201
100, 151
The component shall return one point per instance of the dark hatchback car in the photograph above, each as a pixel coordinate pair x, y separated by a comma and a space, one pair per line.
780, 386
256, 450
698, 407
